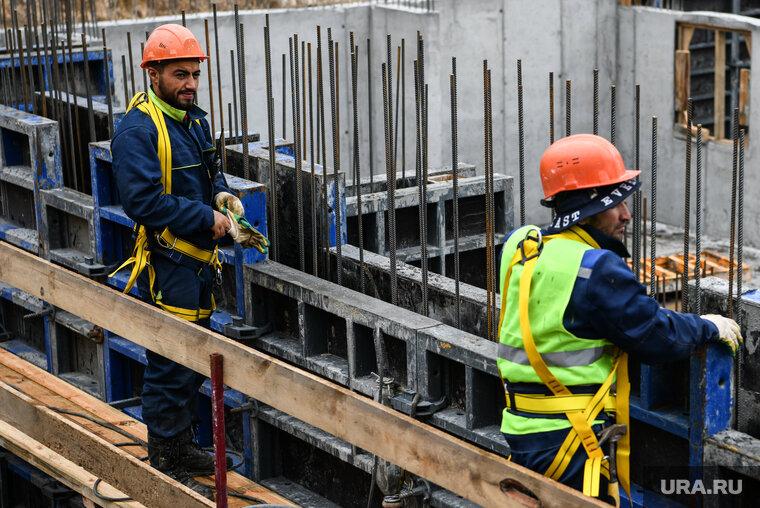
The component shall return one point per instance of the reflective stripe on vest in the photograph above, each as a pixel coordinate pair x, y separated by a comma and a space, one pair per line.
578, 358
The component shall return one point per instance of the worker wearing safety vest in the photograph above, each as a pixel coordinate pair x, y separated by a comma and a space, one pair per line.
571, 312
169, 181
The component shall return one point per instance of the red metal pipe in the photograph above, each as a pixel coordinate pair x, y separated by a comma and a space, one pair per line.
217, 421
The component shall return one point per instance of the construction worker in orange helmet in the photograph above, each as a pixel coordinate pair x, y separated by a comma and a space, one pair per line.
170, 183
571, 312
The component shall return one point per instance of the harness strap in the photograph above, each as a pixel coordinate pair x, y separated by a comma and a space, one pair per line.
563, 399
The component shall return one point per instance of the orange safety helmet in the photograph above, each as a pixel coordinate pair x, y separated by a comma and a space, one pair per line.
171, 42
582, 161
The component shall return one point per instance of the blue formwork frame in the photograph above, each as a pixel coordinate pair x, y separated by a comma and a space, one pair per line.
95, 58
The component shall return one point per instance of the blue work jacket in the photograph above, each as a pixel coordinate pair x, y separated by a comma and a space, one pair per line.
187, 211
611, 304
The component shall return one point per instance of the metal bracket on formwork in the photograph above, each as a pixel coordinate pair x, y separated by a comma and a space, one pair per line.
46, 311
405, 402
238, 330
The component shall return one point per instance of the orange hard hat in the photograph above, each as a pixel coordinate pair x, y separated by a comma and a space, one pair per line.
171, 42
582, 161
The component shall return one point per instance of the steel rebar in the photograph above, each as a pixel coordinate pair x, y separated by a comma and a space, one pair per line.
314, 238
332, 57
521, 141
551, 108
653, 214
210, 81
636, 233
322, 131
107, 74
613, 113
296, 116
243, 105
131, 64
389, 185
90, 112
234, 95
455, 186
687, 209
698, 209
568, 109
272, 190
734, 177
596, 101
357, 162
370, 114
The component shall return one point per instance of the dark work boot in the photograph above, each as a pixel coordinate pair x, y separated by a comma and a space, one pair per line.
165, 454
183, 453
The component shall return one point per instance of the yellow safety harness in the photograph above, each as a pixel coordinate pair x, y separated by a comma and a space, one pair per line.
580, 409
141, 253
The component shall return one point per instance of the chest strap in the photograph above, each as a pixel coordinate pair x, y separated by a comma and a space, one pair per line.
579, 409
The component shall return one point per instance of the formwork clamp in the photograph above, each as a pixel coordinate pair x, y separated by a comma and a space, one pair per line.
238, 330
406, 403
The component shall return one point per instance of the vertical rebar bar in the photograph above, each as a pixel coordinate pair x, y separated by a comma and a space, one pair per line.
403, 110
357, 161
389, 187
740, 232
273, 233
145, 74
131, 62
234, 95
653, 214
698, 209
331, 53
314, 239
521, 141
370, 114
323, 133
302, 92
420, 175
487, 166
596, 101
389, 70
613, 113
219, 92
296, 116
455, 186
568, 109
124, 72
107, 75
90, 112
636, 233
687, 209
210, 81
734, 177
551, 108
284, 112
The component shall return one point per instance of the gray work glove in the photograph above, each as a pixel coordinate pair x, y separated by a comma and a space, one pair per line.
729, 333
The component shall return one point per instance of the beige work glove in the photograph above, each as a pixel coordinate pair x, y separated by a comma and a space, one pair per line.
729, 333
246, 235
226, 201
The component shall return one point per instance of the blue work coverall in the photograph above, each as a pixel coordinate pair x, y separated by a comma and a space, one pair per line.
613, 305
170, 390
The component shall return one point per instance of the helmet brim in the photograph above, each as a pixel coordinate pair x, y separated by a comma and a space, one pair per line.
146, 64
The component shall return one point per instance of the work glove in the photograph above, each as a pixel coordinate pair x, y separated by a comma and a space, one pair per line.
729, 333
243, 233
226, 201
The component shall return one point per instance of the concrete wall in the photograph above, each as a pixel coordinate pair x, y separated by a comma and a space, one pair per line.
629, 46
647, 48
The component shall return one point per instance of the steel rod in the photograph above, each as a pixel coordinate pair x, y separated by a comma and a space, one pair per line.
489, 266
636, 243
124, 72
243, 105
131, 63
568, 109
403, 109
425, 262
272, 187
332, 57
370, 114
420, 175
219, 88
521, 141
40, 75
653, 215
687, 209
323, 137
596, 101
734, 177
236, 133
210, 81
284, 113
455, 186
613, 113
296, 116
389, 187
389, 70
22, 66
551, 108
145, 74
395, 128
357, 161
739, 273
698, 210
107, 75
90, 112
314, 237
302, 91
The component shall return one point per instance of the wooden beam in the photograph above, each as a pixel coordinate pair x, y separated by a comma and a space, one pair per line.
62, 469
49, 390
719, 108
467, 470
120, 469
682, 84
685, 33
744, 76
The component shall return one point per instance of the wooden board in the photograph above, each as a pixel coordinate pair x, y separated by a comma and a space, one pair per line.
423, 450
49, 390
719, 119
682, 83
744, 76
65, 471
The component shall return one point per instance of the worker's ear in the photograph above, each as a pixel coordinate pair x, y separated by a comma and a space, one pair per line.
153, 74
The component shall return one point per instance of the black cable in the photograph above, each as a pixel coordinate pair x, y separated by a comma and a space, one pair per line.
101, 423
106, 498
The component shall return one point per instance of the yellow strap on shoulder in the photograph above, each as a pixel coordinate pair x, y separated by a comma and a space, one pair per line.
581, 421
141, 254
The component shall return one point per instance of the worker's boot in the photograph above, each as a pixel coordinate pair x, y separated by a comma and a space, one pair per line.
170, 456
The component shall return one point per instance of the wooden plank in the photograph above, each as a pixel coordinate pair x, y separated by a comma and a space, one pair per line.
125, 472
719, 119
744, 75
50, 390
685, 33
418, 448
65, 471
682, 83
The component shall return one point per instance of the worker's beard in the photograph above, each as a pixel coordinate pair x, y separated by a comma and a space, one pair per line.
173, 98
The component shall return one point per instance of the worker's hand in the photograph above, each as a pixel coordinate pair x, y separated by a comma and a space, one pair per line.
226, 201
729, 333
245, 234
220, 227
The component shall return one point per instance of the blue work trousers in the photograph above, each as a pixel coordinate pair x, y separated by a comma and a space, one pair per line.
537, 452
170, 390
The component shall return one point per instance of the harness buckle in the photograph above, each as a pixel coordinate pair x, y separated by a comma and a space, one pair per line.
538, 239
163, 243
